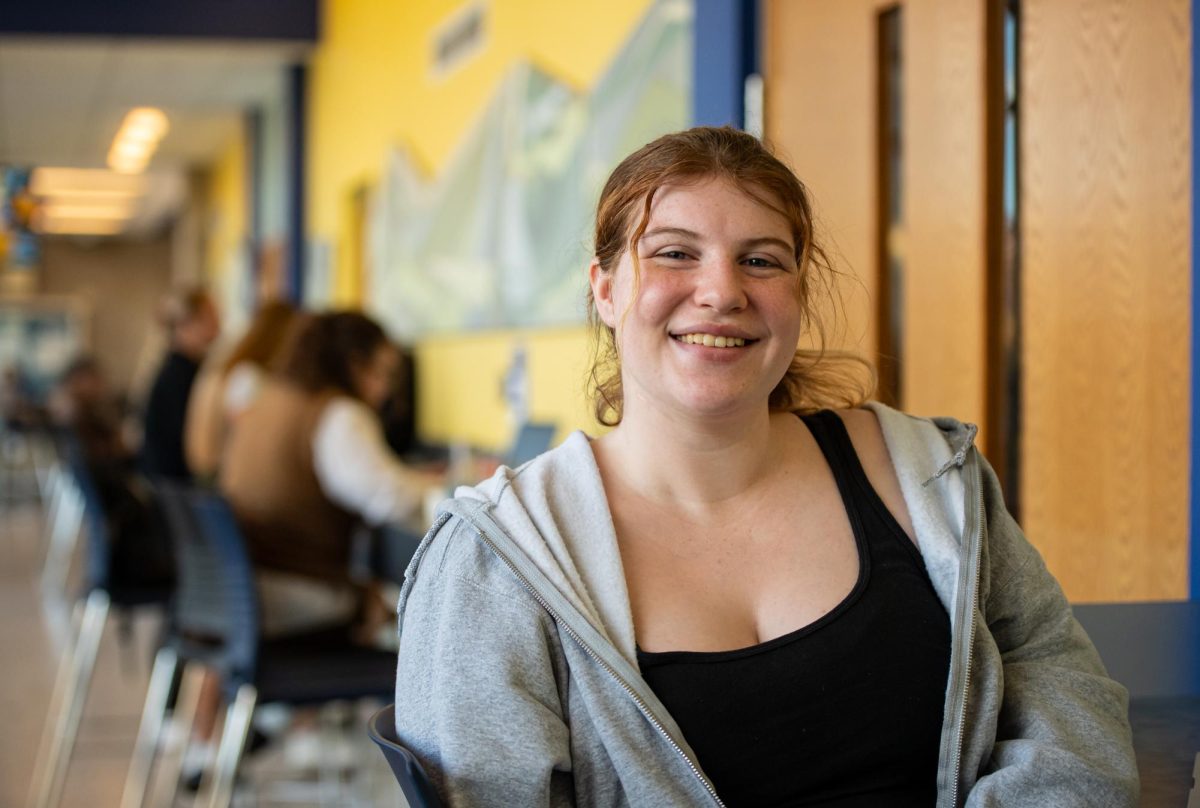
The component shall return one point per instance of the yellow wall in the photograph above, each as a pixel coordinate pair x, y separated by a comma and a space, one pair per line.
372, 88
466, 403
225, 211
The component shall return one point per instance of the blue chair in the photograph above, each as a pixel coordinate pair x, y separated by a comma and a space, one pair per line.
414, 782
113, 579
217, 628
532, 439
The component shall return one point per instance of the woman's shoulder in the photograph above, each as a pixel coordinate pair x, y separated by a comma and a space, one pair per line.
454, 561
866, 435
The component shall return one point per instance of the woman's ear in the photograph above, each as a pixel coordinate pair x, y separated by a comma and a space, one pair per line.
602, 289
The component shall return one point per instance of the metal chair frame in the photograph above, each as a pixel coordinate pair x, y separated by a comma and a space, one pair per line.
217, 599
79, 506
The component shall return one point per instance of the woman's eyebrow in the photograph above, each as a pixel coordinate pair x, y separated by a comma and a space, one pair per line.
765, 241
671, 231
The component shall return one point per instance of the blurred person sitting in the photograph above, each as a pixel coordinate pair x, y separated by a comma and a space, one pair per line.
85, 411
307, 463
17, 405
192, 322
221, 394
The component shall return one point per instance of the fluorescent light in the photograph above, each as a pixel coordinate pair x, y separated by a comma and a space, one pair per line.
137, 139
103, 210
55, 181
148, 120
82, 227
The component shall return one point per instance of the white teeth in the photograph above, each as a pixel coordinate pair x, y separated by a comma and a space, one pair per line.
712, 341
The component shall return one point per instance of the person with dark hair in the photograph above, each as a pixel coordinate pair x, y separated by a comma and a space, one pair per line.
307, 462
222, 393
192, 323
756, 589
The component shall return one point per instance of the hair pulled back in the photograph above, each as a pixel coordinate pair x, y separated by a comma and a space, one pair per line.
817, 378
325, 349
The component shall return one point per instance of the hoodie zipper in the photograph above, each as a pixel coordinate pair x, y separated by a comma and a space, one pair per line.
971, 610
645, 710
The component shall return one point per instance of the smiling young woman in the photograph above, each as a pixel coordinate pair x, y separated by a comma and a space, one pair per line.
752, 590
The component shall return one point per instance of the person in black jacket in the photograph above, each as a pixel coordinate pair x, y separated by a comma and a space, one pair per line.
192, 322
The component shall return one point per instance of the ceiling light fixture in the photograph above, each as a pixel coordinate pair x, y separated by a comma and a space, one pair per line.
137, 139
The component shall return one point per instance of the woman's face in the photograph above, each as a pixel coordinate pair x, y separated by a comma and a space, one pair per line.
717, 319
373, 378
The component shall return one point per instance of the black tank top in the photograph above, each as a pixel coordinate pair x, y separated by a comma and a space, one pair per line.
846, 711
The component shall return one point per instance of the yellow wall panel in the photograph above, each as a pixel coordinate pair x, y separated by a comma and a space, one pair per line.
226, 215
372, 89
459, 384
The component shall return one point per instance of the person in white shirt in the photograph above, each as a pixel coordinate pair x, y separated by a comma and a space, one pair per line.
307, 464
224, 391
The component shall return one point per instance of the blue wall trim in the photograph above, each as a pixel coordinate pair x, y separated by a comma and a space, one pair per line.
293, 20
725, 51
1194, 485
297, 139
254, 136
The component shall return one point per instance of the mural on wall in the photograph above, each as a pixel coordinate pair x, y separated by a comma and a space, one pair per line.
502, 236
19, 249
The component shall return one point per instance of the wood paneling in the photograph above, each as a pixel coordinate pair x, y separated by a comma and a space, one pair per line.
1105, 143
819, 106
944, 350
1105, 228
821, 113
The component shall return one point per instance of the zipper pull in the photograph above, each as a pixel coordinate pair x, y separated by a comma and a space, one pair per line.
960, 456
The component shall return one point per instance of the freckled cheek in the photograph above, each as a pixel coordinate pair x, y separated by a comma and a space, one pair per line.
656, 300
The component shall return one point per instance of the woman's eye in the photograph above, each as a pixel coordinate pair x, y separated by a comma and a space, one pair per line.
759, 261
673, 255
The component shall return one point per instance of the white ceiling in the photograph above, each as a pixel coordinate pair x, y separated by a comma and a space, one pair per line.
63, 99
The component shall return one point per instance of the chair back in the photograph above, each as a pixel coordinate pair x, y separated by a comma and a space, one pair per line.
216, 603
532, 439
98, 543
414, 782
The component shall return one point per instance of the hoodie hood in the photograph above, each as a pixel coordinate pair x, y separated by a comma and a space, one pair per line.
576, 555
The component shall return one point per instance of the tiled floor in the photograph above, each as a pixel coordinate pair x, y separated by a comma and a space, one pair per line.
33, 628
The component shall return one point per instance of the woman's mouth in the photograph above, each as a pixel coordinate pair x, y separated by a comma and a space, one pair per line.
713, 341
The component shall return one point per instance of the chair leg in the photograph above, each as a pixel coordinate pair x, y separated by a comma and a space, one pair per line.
50, 501
233, 742
157, 694
63, 726
181, 720
68, 522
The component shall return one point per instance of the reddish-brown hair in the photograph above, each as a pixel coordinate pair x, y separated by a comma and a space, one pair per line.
324, 350
266, 336
816, 378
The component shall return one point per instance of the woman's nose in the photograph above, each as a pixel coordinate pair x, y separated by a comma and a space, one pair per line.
720, 285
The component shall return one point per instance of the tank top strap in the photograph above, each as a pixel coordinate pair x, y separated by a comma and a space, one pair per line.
830, 433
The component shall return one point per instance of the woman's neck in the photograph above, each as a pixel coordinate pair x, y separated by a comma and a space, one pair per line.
691, 463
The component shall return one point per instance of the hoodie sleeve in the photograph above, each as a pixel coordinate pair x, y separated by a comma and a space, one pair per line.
478, 697
1063, 735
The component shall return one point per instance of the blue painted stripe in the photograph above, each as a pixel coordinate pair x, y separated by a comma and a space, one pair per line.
253, 147
725, 51
297, 140
1194, 484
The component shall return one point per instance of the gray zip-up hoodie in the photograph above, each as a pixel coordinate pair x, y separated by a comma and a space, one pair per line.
518, 682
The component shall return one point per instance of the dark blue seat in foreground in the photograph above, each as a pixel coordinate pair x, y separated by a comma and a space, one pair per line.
415, 784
